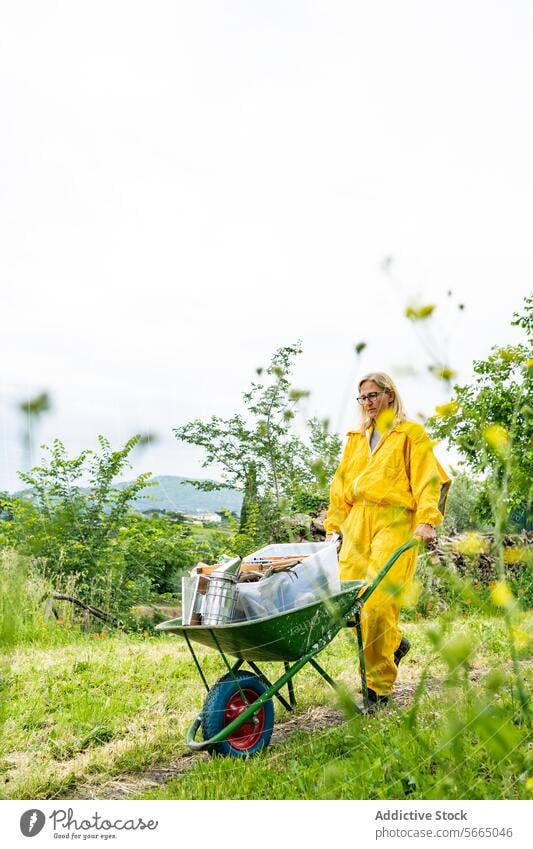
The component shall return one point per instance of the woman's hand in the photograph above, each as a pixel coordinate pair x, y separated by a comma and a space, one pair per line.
426, 533
334, 538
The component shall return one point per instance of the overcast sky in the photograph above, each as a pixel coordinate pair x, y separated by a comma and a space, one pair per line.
186, 186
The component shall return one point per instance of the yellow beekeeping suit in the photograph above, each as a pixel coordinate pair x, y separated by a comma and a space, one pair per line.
377, 499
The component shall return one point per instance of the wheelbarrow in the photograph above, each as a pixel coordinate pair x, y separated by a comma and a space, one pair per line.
237, 717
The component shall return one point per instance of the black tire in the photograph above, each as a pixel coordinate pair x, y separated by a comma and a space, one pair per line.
224, 702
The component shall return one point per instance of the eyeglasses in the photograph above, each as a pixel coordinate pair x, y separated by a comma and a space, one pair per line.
362, 399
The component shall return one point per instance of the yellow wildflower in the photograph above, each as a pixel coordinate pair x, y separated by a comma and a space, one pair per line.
441, 372
497, 438
417, 313
471, 544
514, 554
501, 594
385, 420
449, 409
521, 639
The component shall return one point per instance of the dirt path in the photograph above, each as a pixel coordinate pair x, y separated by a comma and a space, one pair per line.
314, 719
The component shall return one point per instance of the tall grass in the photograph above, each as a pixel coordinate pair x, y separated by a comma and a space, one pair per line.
25, 604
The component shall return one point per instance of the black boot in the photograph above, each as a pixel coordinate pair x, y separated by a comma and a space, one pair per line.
402, 650
376, 701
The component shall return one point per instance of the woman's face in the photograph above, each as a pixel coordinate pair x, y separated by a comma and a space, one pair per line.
374, 406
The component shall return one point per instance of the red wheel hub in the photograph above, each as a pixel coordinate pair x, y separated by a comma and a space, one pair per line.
250, 732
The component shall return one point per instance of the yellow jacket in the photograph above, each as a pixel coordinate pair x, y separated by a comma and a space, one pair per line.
402, 471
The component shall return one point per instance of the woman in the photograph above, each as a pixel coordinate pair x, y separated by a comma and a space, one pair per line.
386, 490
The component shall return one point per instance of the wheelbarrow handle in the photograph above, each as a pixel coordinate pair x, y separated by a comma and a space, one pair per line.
386, 568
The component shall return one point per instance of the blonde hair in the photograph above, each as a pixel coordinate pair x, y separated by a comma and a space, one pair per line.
385, 383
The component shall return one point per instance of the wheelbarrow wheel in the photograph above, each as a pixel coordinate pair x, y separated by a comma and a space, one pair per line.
224, 703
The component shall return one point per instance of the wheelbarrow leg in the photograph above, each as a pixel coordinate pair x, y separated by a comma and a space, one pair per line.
236, 666
362, 665
260, 674
324, 674
336, 686
290, 687
197, 662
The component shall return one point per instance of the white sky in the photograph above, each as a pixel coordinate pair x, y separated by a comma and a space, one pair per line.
185, 186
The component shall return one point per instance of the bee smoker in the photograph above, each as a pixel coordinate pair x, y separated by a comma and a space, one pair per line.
221, 595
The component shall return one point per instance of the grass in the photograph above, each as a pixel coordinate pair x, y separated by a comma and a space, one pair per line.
22, 618
362, 759
102, 711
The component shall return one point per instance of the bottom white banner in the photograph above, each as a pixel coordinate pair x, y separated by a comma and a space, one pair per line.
261, 824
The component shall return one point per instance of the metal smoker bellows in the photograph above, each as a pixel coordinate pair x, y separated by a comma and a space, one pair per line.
221, 595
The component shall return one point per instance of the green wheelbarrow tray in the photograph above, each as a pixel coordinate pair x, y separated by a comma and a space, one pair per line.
283, 636
238, 714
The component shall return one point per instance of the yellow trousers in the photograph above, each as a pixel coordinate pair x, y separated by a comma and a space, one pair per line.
371, 533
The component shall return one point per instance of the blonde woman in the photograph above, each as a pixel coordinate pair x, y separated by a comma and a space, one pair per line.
386, 490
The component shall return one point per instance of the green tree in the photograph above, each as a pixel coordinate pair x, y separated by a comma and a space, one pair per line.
259, 443
251, 497
72, 530
496, 408
259, 451
463, 505
162, 550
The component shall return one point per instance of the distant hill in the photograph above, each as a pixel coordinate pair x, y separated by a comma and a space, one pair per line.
174, 494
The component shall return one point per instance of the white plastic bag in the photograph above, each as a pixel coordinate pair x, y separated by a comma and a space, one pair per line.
315, 578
